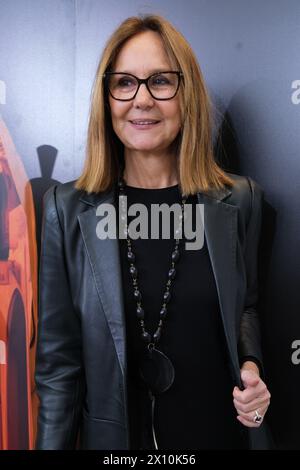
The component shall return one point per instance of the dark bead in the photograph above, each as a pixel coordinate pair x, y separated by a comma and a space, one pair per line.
167, 296
133, 271
175, 255
146, 337
171, 273
163, 312
130, 256
157, 334
137, 295
140, 313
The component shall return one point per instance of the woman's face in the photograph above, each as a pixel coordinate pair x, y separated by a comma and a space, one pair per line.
143, 55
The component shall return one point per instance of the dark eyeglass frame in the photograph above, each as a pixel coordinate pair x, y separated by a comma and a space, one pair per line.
141, 81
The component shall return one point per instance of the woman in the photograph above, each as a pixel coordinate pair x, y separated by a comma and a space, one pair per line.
143, 343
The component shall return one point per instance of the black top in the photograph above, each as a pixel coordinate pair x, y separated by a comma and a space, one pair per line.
197, 412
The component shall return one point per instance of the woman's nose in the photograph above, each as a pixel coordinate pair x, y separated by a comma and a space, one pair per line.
143, 96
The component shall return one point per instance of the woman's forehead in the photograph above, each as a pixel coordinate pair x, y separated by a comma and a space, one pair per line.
145, 53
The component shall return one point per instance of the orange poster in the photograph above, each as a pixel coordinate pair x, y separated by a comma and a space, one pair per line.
18, 300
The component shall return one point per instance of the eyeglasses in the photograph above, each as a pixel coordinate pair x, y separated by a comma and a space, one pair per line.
161, 85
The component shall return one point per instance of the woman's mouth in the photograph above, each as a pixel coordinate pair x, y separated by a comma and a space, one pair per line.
144, 124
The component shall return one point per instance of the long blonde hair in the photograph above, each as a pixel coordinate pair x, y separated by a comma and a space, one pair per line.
197, 168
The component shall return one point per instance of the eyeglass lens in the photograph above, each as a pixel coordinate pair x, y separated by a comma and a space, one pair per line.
163, 85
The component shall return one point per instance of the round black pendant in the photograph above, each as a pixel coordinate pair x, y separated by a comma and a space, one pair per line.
157, 371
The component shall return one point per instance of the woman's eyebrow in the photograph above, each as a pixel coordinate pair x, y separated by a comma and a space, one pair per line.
150, 72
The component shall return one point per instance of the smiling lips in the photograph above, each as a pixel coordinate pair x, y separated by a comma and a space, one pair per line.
144, 123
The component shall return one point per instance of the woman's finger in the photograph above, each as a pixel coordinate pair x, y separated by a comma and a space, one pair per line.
251, 415
247, 423
249, 394
254, 404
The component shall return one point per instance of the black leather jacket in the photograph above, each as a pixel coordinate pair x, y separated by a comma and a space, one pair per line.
81, 351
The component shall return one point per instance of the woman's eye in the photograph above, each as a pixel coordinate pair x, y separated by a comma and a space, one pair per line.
161, 80
125, 82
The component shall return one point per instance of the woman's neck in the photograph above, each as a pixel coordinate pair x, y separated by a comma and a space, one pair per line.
150, 172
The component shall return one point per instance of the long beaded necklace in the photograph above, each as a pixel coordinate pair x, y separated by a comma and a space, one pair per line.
155, 368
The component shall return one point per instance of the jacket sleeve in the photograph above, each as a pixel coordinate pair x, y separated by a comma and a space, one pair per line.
58, 369
249, 346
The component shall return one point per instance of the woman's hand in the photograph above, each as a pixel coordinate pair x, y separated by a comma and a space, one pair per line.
253, 401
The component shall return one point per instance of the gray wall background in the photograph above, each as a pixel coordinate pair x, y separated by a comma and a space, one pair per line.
249, 55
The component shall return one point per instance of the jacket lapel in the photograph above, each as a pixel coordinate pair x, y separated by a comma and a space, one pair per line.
220, 226
106, 267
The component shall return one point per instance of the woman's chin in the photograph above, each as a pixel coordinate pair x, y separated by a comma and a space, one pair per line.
143, 146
